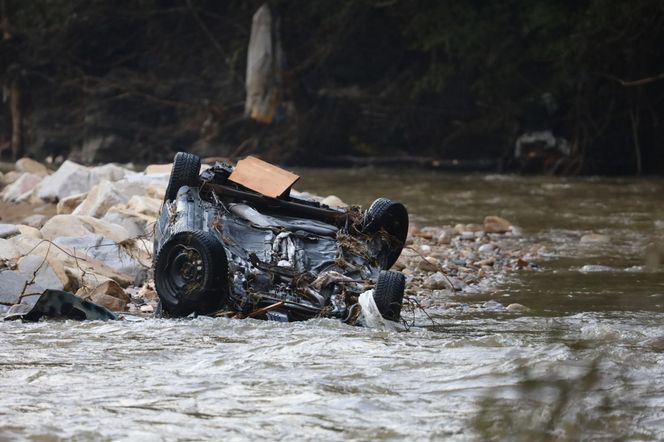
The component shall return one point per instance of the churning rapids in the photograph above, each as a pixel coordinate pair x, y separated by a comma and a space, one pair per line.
587, 362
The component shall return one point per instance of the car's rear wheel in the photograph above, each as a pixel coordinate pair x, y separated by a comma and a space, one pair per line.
186, 169
390, 217
388, 294
191, 274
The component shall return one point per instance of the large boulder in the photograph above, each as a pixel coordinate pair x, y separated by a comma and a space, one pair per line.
8, 230
130, 258
47, 273
8, 250
110, 295
136, 224
31, 166
15, 285
21, 189
80, 267
76, 226
71, 179
68, 204
100, 198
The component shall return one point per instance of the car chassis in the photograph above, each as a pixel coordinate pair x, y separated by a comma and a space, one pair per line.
221, 248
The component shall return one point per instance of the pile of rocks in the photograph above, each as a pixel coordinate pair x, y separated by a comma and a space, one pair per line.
443, 264
99, 243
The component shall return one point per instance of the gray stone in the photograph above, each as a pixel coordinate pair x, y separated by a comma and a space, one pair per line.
36, 267
436, 281
13, 285
21, 189
8, 250
111, 254
31, 166
517, 308
8, 230
37, 220
494, 306
486, 248
496, 224
99, 199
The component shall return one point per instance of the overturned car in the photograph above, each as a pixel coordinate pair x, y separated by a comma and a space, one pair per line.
223, 248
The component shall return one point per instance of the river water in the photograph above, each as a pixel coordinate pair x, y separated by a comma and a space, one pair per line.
587, 362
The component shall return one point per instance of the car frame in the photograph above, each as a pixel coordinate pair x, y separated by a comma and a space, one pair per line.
220, 248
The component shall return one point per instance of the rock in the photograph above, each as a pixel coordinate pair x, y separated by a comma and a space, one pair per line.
31, 166
135, 223
334, 202
467, 235
457, 284
486, 248
8, 251
595, 238
11, 177
428, 264
436, 281
74, 225
159, 168
29, 231
460, 228
36, 267
446, 236
37, 220
22, 189
494, 306
594, 268
99, 199
156, 190
68, 204
517, 308
8, 230
496, 224
110, 295
130, 258
147, 308
14, 285
145, 205
71, 179
147, 292
82, 269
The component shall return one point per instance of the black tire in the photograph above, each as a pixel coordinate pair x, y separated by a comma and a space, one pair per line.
186, 169
391, 217
191, 274
388, 294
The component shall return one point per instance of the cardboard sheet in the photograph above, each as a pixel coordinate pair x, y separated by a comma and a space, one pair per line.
264, 178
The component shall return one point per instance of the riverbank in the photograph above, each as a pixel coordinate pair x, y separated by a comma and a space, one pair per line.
96, 242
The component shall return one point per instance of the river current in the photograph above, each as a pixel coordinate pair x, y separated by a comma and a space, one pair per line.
586, 362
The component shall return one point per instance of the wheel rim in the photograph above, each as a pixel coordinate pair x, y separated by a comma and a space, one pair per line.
185, 272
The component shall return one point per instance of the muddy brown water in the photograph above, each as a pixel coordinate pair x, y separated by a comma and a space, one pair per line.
592, 346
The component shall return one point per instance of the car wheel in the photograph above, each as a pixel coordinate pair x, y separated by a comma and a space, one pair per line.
186, 168
391, 217
388, 294
191, 273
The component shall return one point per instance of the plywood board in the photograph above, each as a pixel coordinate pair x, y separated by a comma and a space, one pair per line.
264, 178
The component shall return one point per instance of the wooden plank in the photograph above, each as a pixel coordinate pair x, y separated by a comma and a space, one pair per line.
264, 178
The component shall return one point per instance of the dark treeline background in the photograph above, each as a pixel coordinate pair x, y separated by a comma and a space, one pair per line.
137, 80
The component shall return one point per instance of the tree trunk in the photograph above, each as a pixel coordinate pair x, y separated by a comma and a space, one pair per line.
14, 92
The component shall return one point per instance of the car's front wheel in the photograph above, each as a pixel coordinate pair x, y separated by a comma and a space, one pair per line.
191, 273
